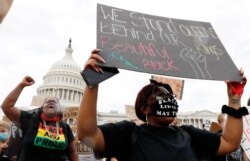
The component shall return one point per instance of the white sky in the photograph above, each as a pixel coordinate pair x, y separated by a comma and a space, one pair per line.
35, 33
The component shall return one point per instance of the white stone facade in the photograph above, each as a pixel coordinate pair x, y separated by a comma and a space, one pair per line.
200, 119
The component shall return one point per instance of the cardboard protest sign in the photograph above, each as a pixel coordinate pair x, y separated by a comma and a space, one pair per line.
160, 45
215, 127
177, 85
245, 141
15, 140
70, 116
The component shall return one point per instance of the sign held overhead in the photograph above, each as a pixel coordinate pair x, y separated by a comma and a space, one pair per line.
160, 45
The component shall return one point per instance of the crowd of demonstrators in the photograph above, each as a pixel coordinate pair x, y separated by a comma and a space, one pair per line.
4, 138
4, 141
239, 154
155, 139
45, 135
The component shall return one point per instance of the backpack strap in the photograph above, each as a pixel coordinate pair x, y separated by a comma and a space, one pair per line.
65, 131
64, 126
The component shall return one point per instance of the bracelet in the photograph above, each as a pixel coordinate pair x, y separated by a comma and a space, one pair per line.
242, 111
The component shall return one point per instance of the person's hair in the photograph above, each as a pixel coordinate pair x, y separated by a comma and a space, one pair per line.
140, 101
221, 117
4, 124
143, 97
248, 102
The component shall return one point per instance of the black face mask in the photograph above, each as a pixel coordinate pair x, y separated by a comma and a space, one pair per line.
164, 104
164, 107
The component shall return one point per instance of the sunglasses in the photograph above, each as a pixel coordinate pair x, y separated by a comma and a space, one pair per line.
160, 87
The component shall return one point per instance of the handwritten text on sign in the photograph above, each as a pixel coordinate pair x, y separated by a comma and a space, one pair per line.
245, 141
159, 45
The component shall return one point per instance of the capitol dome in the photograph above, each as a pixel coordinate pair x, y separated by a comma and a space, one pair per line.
67, 63
63, 81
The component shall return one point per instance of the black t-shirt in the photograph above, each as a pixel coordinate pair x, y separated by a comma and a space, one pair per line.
129, 142
43, 144
4, 158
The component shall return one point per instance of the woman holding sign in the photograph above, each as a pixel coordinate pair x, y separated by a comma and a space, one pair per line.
45, 136
156, 140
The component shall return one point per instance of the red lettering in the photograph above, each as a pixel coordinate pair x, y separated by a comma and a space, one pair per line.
159, 65
105, 43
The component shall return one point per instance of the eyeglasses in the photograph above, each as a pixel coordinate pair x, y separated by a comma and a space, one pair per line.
165, 93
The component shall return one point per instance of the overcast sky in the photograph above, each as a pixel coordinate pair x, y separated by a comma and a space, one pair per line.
35, 33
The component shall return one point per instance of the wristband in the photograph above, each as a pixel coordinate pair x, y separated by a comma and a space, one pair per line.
242, 111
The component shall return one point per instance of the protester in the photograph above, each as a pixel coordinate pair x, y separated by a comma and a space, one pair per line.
156, 140
221, 119
175, 122
239, 154
45, 135
4, 138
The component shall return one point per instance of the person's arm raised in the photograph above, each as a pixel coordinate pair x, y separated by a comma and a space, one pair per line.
87, 129
9, 102
232, 132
